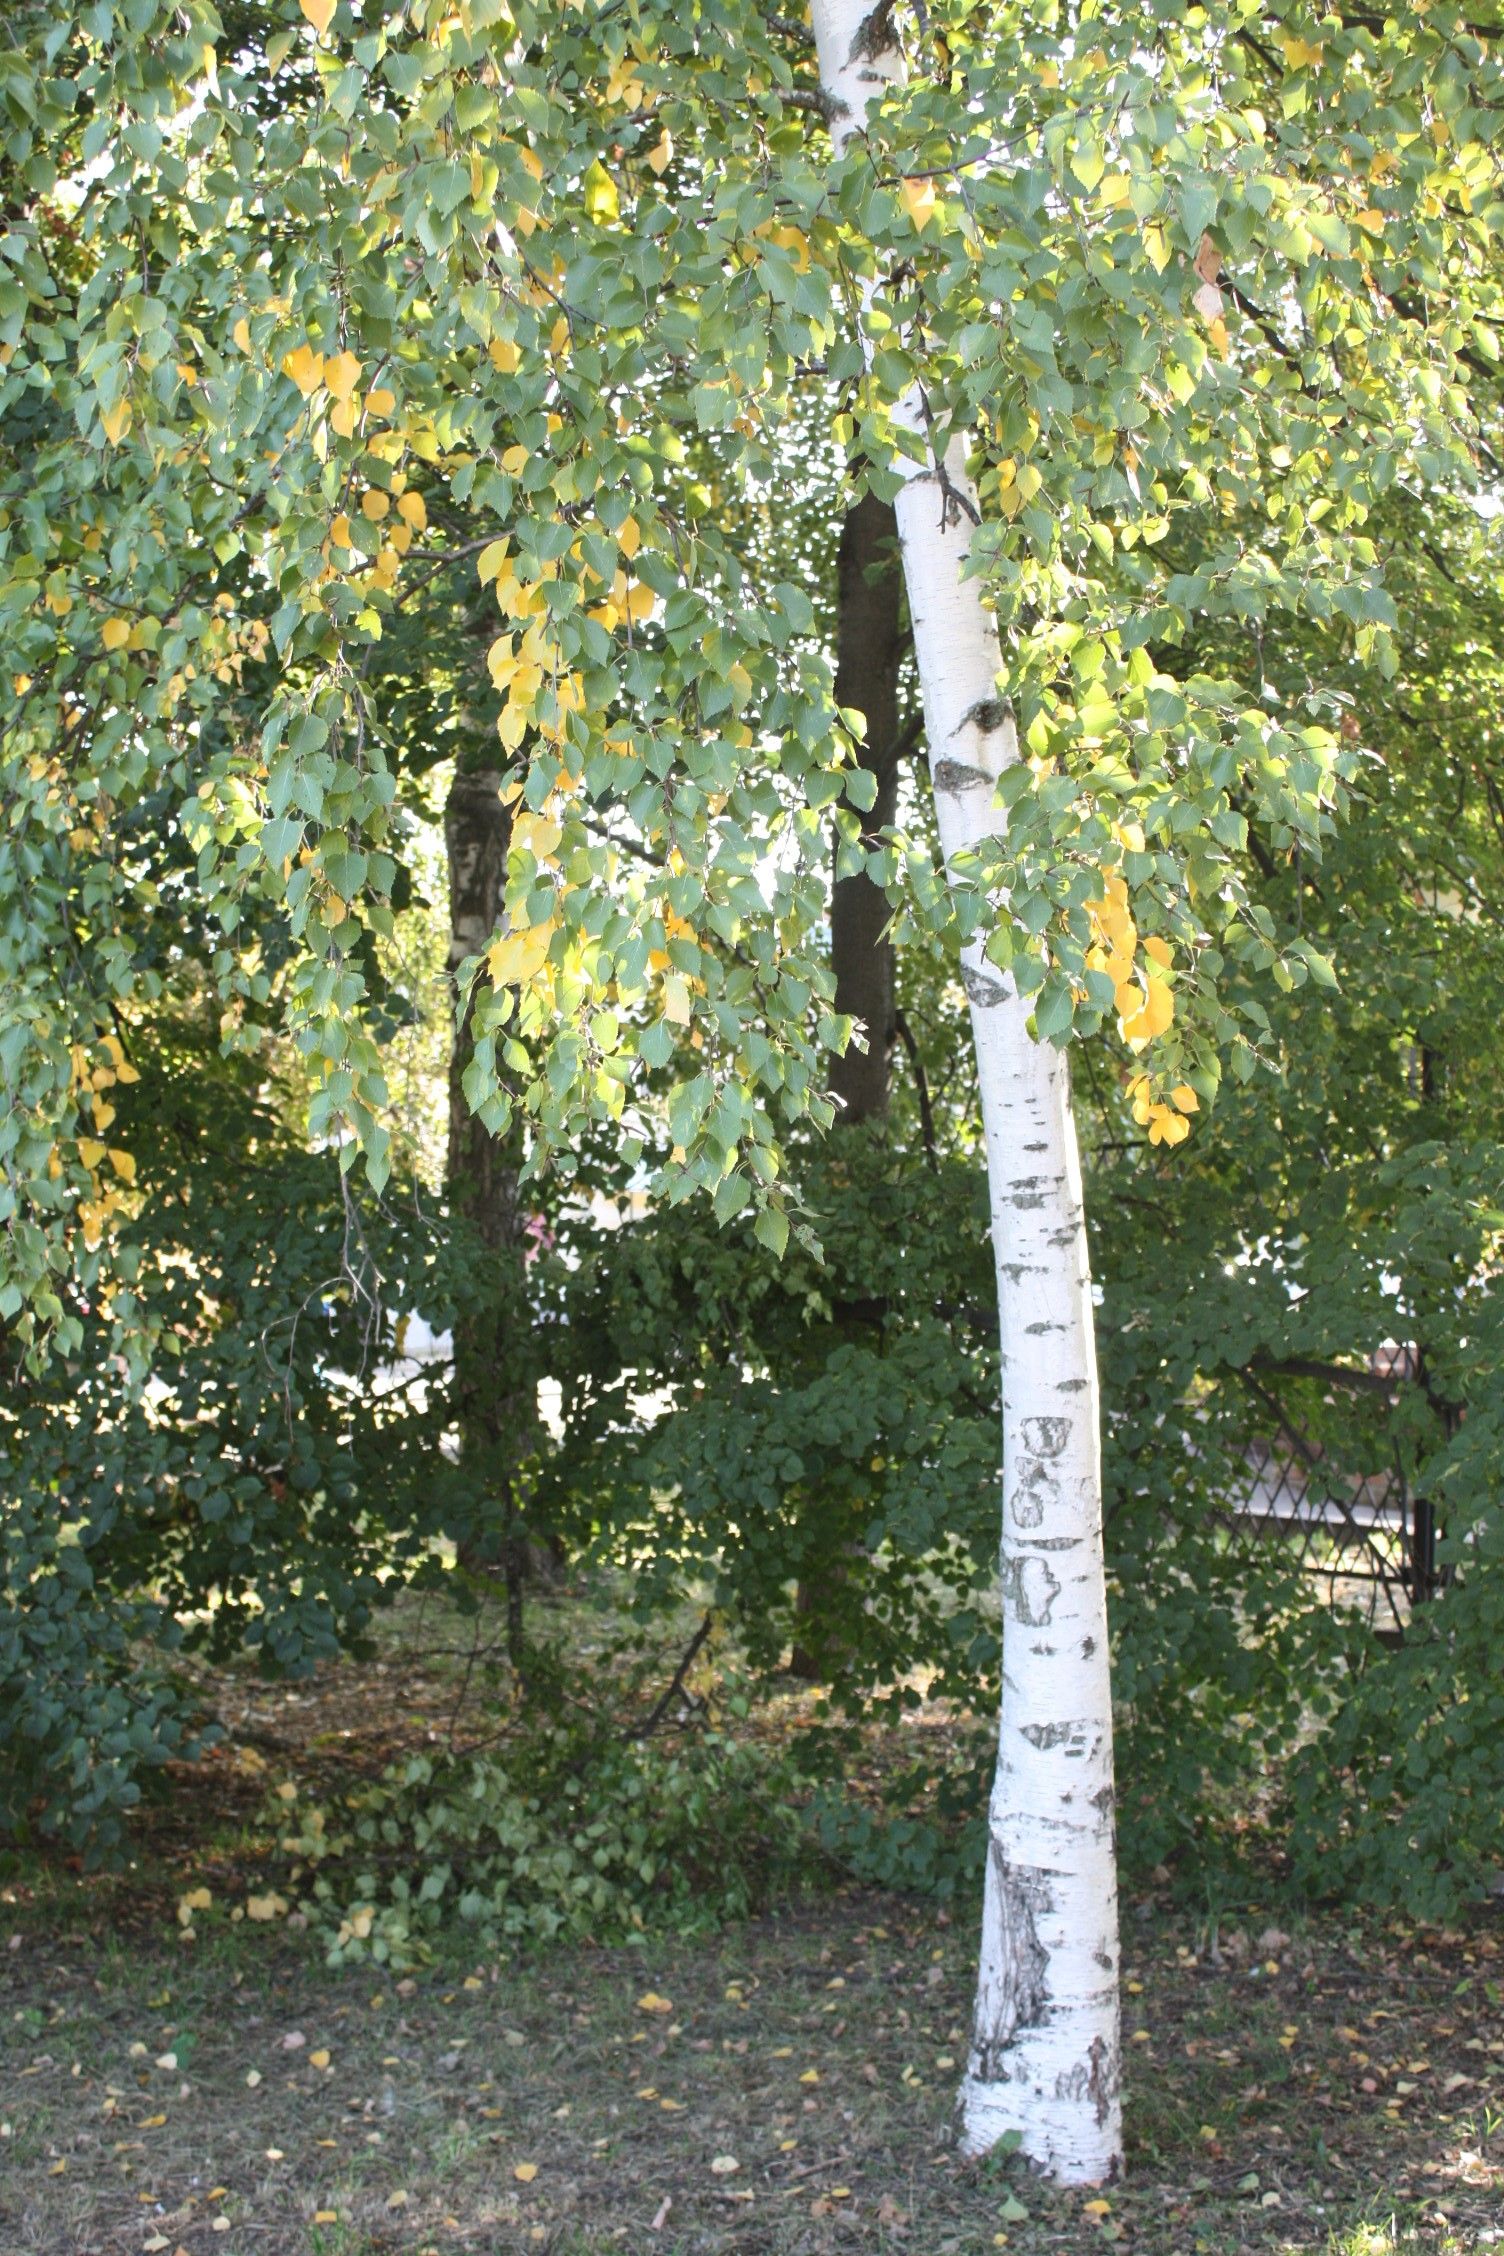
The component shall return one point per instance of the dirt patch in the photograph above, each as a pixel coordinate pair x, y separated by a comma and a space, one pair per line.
782, 2091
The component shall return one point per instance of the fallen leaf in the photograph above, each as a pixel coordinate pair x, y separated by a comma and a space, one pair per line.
651, 2002
525, 2172
724, 2166
319, 2059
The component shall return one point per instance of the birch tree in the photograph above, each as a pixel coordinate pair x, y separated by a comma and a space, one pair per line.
1044, 2060
1130, 311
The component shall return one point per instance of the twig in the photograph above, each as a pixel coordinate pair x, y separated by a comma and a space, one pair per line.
646, 1730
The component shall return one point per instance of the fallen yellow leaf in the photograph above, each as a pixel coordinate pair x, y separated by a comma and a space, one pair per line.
526, 2172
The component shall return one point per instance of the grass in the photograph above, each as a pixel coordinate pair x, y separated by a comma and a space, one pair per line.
1333, 2089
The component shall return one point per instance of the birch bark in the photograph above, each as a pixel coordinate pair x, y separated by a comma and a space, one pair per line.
1044, 2057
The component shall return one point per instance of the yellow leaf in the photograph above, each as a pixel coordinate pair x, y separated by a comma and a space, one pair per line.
1185, 1098
116, 421
1113, 189
676, 999
124, 1165
413, 511
380, 402
1371, 221
514, 460
651, 2002
115, 634
629, 539
537, 835
490, 561
269, 1906
640, 601
1096, 2209
90, 1152
305, 367
810, 2076
153, 2122
600, 198
918, 201
341, 374
1301, 54
520, 955
662, 156
320, 14
504, 355
319, 2059
324, 2216
374, 504
525, 2172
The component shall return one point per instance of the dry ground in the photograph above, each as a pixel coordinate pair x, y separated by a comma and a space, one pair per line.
784, 2089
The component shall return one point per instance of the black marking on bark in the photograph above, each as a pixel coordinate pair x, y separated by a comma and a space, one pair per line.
1034, 1488
874, 35
1103, 2082
988, 714
1105, 1961
984, 992
1074, 1737
1094, 2078
1088, 1647
1036, 1147
1103, 1799
1031, 1590
1046, 1437
956, 776
1070, 1386
1036, 1331
1018, 1998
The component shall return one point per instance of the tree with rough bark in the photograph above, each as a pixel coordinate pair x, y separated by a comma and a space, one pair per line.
1073, 282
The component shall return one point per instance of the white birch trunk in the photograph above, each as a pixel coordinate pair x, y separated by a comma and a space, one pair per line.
1045, 2054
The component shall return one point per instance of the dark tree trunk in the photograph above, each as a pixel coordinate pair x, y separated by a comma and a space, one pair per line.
493, 1374
869, 645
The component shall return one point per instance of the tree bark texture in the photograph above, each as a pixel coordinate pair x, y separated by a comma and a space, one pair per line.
1044, 2058
869, 643
496, 1412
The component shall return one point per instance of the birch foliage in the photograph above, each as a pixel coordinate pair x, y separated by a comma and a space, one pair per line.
299, 306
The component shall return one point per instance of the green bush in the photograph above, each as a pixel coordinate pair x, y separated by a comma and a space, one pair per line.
569, 1832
